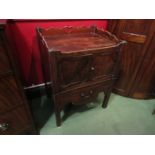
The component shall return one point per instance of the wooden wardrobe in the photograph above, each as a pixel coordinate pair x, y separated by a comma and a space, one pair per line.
15, 116
137, 62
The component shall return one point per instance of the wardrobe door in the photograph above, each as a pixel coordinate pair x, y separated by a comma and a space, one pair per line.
145, 82
138, 34
15, 116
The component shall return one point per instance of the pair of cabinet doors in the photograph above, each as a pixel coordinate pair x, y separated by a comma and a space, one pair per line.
85, 68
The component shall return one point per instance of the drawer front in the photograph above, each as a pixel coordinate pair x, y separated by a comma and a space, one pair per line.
82, 95
4, 61
14, 122
9, 94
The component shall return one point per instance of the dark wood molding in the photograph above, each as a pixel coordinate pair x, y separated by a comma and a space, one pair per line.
135, 38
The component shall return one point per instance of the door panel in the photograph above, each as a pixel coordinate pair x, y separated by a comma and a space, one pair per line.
138, 34
9, 92
72, 70
4, 65
102, 65
145, 81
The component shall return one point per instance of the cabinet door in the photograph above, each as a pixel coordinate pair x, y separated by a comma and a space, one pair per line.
4, 62
15, 121
102, 65
138, 34
145, 81
73, 69
9, 94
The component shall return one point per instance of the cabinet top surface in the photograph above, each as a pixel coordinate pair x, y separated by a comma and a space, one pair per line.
77, 40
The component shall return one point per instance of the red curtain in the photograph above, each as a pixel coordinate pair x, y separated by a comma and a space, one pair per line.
23, 37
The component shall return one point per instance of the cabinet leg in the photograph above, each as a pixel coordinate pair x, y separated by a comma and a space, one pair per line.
48, 91
106, 99
58, 116
57, 109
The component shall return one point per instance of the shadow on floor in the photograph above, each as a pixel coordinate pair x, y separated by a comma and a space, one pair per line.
71, 109
41, 107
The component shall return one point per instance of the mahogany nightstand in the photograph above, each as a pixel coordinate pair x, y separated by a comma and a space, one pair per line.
80, 63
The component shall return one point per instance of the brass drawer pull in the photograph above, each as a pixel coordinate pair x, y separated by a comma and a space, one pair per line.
91, 92
82, 94
87, 96
4, 126
92, 68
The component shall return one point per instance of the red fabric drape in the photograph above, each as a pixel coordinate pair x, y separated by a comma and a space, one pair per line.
23, 37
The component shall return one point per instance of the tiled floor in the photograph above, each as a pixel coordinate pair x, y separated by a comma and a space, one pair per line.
123, 116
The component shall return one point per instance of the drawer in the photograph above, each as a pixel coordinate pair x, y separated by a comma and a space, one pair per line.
81, 95
14, 122
10, 95
4, 61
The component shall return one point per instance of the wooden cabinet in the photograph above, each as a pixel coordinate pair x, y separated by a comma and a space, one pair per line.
80, 62
9, 92
137, 57
4, 65
15, 121
15, 117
